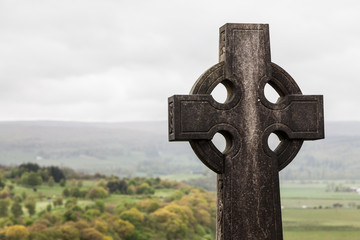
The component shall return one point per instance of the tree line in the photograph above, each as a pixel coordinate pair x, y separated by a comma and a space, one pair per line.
152, 208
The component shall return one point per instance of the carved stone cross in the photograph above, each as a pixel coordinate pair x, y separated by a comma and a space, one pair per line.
248, 195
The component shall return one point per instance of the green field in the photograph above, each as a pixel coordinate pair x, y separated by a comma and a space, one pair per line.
315, 194
308, 212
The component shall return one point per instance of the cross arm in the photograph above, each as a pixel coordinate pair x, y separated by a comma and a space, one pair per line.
194, 117
300, 116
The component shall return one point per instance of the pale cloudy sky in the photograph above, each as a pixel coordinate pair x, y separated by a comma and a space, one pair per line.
104, 60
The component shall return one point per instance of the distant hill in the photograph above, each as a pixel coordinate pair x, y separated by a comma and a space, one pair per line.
142, 149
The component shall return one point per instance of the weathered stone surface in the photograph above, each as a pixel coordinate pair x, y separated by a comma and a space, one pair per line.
248, 170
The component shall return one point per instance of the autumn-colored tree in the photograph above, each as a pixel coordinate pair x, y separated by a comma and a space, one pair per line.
176, 229
124, 228
101, 225
163, 215
82, 224
39, 226
131, 189
184, 213
134, 216
91, 234
17, 232
4, 193
92, 212
69, 232
101, 183
149, 205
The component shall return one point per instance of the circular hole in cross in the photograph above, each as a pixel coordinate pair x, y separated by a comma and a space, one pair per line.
273, 141
271, 94
220, 142
220, 93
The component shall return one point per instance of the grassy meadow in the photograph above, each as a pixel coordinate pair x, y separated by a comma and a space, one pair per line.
308, 211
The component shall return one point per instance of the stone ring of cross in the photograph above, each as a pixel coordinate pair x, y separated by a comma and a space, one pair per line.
284, 85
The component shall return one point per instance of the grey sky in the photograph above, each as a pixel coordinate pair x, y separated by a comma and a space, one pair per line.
119, 60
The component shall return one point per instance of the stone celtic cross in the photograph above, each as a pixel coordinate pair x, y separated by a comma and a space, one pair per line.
248, 195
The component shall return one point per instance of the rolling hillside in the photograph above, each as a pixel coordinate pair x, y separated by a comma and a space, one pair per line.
142, 149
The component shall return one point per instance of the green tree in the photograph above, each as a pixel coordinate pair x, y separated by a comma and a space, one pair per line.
31, 179
58, 201
4, 207
23, 195
56, 173
62, 182
145, 188
79, 184
97, 192
66, 192
16, 209
30, 205
75, 192
48, 207
30, 167
51, 182
71, 202
2, 183
100, 205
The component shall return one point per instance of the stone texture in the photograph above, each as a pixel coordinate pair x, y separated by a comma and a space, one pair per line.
248, 170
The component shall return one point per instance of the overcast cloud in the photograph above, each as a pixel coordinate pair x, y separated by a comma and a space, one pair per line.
104, 60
